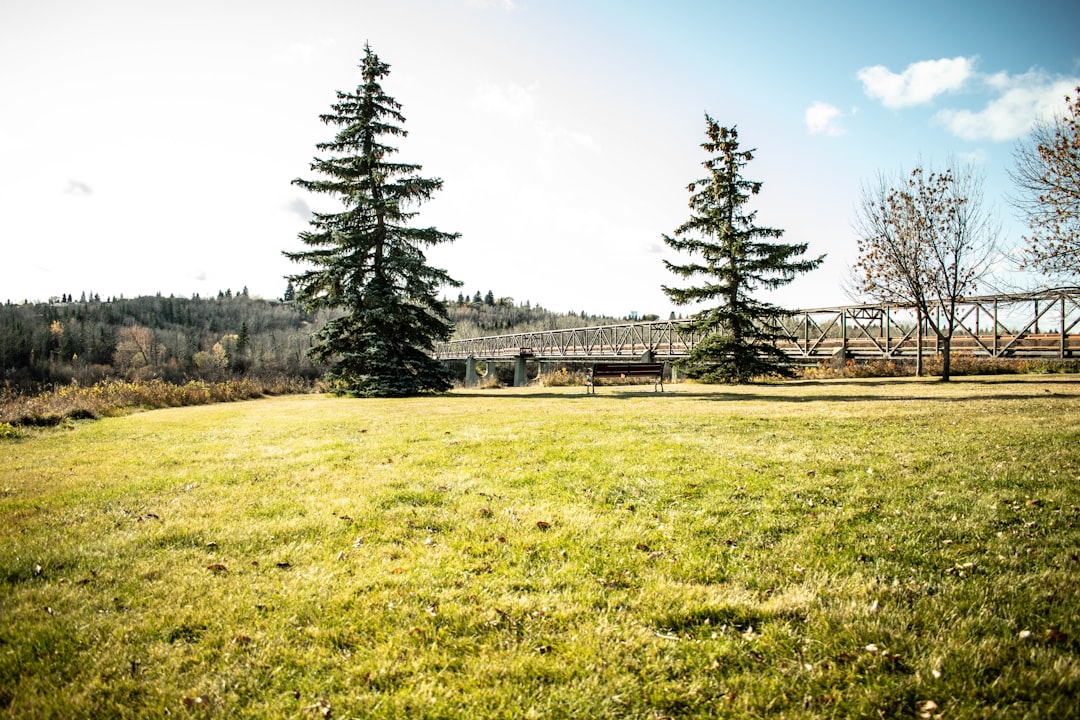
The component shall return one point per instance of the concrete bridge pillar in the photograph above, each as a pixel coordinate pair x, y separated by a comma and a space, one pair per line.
520, 376
471, 378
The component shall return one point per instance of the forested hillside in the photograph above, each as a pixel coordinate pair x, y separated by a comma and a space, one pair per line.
476, 317
179, 339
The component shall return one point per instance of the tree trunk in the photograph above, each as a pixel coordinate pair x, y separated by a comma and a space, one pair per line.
918, 342
946, 357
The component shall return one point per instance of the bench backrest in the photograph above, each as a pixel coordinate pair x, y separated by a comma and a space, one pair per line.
636, 369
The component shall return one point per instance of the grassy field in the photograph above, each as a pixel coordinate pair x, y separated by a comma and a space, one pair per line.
861, 548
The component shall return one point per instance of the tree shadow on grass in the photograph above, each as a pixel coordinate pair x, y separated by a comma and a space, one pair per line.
888, 388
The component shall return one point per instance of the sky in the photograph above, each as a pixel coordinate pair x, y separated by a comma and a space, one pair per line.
148, 146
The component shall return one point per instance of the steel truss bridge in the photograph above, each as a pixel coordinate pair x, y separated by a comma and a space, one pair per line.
1042, 324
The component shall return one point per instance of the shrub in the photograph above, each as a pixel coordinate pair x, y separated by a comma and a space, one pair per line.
114, 397
563, 377
963, 363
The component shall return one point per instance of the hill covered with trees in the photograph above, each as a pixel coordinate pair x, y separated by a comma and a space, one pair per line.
178, 339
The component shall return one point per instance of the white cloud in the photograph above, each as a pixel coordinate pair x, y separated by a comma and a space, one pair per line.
1025, 99
511, 102
77, 187
298, 207
975, 157
920, 83
572, 137
823, 119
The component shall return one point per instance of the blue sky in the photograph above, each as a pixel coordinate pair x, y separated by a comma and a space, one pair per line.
149, 146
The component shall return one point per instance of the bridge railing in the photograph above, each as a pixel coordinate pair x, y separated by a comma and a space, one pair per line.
1040, 324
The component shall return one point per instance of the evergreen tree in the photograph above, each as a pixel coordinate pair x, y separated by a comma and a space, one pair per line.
733, 257
366, 260
243, 348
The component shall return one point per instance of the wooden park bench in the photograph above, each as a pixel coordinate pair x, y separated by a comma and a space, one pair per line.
625, 370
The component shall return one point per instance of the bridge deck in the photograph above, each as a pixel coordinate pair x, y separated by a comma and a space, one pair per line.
1045, 324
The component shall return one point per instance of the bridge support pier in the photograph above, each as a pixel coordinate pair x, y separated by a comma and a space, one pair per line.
520, 376
471, 378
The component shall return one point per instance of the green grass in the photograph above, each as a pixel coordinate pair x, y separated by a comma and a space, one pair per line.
853, 548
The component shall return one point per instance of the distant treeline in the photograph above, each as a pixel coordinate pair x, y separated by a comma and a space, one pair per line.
179, 339
477, 316
172, 338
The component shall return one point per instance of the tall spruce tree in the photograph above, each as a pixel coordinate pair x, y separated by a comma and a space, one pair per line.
367, 260
733, 257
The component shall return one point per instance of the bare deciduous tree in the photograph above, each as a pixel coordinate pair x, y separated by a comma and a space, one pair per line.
136, 347
925, 241
1047, 174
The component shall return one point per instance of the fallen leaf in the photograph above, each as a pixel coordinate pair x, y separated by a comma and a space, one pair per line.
322, 707
960, 570
397, 571
543, 525
1053, 634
